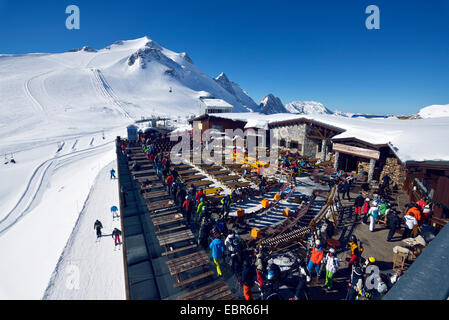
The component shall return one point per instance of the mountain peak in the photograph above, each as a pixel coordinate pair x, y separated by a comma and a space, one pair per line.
307, 107
271, 105
222, 77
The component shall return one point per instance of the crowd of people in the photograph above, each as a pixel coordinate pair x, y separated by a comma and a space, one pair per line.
251, 266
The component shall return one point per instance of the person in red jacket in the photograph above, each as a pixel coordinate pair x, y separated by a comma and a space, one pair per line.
169, 183
187, 206
199, 195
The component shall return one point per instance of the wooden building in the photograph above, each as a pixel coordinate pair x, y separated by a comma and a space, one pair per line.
430, 179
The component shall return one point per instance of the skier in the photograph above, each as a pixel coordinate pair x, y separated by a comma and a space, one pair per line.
113, 174
332, 265
114, 211
116, 236
98, 226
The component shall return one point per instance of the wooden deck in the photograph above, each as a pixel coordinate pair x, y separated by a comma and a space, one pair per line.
218, 290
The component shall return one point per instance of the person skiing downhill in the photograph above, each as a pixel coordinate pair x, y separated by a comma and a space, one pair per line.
113, 174
98, 226
116, 236
114, 211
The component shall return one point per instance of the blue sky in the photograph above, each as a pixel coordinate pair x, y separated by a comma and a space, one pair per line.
297, 50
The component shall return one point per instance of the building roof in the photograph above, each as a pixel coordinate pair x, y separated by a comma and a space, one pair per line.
216, 103
417, 140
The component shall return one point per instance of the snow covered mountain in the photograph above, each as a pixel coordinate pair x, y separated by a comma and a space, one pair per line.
233, 88
307, 107
88, 89
434, 111
271, 105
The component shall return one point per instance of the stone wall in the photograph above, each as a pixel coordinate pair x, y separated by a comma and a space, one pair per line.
395, 170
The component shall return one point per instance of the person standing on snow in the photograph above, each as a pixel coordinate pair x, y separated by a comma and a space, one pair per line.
98, 226
116, 236
113, 174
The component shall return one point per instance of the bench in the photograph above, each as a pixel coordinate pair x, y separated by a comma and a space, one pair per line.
218, 290
164, 213
186, 263
167, 219
155, 195
157, 205
187, 172
171, 229
171, 238
235, 185
147, 178
201, 183
219, 173
212, 168
143, 172
194, 279
193, 178
151, 187
167, 253
182, 166
228, 178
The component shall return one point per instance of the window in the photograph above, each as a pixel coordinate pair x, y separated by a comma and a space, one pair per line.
294, 144
282, 143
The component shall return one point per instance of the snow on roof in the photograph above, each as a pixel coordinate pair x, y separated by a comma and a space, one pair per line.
413, 140
216, 103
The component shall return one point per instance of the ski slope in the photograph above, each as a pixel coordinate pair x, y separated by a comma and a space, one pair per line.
84, 261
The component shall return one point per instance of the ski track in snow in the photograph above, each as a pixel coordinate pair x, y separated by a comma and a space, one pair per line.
27, 86
107, 92
39, 179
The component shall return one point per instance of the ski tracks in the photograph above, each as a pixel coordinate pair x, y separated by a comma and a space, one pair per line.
27, 88
39, 180
107, 92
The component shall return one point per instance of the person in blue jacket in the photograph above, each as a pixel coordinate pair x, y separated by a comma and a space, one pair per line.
217, 248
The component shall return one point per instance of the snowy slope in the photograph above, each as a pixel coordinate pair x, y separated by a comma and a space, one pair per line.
434, 111
83, 261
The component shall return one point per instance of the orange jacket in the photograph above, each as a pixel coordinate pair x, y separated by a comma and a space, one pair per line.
416, 212
317, 255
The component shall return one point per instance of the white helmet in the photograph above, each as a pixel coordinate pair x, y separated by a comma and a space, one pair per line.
318, 242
